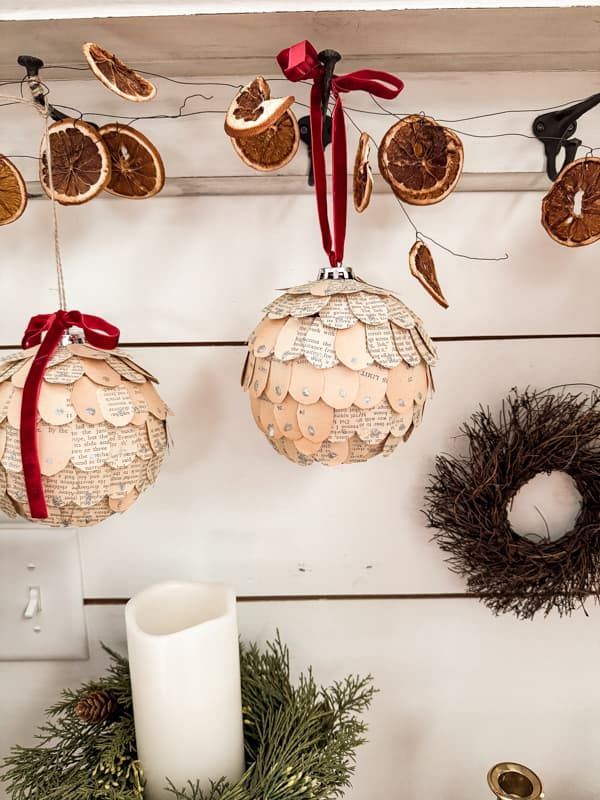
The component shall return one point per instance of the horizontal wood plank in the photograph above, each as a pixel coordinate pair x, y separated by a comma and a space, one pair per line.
445, 39
226, 506
199, 185
459, 689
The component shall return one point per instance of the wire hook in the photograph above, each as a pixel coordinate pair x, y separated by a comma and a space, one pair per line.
33, 65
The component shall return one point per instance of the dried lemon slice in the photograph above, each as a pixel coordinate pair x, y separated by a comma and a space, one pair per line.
273, 148
571, 209
252, 111
116, 75
80, 162
13, 192
137, 170
362, 179
421, 160
422, 266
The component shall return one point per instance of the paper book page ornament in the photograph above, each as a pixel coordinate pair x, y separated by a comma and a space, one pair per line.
82, 428
338, 371
96, 437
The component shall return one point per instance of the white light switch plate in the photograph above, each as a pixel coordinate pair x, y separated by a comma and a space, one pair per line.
47, 560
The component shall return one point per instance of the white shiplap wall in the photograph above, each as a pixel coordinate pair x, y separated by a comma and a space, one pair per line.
460, 689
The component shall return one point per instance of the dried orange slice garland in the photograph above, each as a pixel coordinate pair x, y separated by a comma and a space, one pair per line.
422, 266
362, 179
252, 110
80, 162
571, 209
116, 75
421, 160
13, 192
273, 148
137, 170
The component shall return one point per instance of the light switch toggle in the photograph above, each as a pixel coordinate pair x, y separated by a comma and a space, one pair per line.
34, 604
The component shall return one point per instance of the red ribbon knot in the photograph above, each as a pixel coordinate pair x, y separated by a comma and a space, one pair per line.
48, 330
301, 62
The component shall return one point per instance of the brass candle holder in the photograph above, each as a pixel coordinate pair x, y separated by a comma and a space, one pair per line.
510, 781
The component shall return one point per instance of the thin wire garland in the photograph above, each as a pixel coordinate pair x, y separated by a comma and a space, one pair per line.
382, 111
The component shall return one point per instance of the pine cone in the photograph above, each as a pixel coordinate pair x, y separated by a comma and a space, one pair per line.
96, 707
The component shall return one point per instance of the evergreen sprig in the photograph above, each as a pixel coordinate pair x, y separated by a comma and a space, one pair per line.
300, 740
73, 760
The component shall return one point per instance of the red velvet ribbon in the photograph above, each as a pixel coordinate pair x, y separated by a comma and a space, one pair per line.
301, 62
98, 333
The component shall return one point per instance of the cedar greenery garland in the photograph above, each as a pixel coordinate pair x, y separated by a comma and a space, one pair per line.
74, 760
300, 740
468, 497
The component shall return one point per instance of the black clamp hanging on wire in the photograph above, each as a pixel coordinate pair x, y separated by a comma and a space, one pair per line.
555, 129
304, 125
33, 65
329, 59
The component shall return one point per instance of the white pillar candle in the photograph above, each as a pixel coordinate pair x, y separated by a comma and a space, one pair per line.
183, 648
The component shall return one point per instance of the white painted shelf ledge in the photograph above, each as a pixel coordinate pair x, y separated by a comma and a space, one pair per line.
418, 38
89, 9
197, 185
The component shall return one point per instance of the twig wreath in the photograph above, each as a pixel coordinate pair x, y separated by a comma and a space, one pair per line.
300, 740
468, 497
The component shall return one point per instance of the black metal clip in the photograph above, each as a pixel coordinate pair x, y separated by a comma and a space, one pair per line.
329, 59
554, 130
33, 65
304, 125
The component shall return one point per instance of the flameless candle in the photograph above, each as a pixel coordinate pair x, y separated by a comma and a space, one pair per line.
185, 679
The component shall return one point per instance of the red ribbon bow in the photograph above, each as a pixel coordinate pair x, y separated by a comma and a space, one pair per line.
301, 62
98, 333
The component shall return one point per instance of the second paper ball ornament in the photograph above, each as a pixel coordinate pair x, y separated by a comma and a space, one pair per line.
338, 371
101, 433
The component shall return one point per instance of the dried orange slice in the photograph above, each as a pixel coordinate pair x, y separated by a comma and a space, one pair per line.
137, 170
421, 160
273, 148
13, 192
571, 209
422, 267
252, 111
116, 75
362, 179
80, 162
